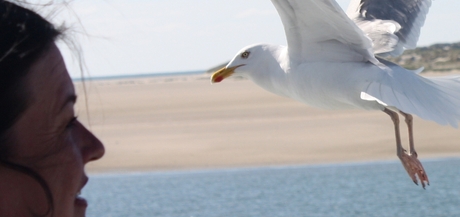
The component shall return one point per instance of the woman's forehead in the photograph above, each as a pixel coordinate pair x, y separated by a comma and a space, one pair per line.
49, 80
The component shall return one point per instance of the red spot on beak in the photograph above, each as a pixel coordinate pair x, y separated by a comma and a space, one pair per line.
219, 79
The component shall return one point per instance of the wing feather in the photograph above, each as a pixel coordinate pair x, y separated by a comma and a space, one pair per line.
318, 29
392, 25
431, 98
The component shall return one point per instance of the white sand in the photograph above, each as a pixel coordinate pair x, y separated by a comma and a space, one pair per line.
185, 122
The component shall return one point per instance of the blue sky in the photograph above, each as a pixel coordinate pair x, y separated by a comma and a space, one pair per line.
124, 37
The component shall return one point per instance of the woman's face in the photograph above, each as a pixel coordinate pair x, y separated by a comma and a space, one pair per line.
48, 139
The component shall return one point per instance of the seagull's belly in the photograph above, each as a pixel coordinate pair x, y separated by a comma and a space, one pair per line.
332, 85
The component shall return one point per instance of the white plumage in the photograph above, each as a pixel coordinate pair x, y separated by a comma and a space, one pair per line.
330, 62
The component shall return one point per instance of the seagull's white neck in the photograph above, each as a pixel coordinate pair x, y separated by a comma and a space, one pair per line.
271, 71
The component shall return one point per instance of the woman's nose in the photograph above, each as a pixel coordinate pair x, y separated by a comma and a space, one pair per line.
91, 148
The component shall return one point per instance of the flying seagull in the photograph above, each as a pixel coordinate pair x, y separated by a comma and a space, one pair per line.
333, 60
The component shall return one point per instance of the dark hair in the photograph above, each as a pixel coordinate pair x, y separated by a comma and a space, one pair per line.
24, 37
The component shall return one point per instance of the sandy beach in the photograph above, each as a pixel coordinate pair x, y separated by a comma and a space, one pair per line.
184, 122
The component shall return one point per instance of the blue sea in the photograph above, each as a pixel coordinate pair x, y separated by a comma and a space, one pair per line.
353, 189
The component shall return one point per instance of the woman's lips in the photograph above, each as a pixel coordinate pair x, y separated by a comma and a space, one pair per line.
81, 202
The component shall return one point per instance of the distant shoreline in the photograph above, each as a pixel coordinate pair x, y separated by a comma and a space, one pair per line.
203, 72
141, 75
130, 171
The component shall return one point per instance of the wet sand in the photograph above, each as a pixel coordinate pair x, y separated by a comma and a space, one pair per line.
184, 122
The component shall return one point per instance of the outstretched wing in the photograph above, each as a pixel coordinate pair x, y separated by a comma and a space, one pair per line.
392, 25
431, 98
320, 30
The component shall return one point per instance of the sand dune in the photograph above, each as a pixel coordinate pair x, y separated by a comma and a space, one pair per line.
185, 122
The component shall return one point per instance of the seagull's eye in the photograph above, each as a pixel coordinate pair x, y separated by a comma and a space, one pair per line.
245, 54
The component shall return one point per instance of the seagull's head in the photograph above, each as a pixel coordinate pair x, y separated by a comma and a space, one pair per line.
246, 62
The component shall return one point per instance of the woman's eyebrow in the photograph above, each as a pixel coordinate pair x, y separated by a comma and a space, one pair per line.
69, 99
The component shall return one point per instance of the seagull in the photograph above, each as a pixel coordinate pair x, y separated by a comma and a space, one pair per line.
335, 60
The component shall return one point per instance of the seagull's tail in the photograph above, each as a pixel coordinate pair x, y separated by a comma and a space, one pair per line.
431, 98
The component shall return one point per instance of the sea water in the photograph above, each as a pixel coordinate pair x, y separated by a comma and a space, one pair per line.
362, 189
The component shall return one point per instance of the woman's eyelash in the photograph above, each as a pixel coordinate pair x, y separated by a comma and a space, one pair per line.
72, 122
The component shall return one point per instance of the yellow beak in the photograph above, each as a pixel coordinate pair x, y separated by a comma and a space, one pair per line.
223, 73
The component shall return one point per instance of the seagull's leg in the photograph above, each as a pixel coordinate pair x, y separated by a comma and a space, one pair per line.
415, 164
408, 119
395, 118
410, 162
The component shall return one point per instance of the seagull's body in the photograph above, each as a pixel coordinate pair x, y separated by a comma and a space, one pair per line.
330, 62
328, 85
